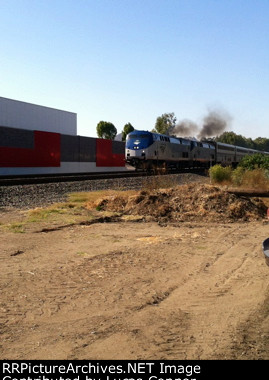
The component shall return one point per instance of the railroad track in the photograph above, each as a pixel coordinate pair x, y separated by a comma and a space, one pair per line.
39, 179
53, 178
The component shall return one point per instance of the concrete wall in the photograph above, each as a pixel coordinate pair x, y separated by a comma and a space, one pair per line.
66, 167
17, 114
38, 152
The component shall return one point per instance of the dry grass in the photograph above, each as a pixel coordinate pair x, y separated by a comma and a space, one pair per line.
94, 199
16, 227
77, 205
255, 179
265, 201
80, 207
55, 212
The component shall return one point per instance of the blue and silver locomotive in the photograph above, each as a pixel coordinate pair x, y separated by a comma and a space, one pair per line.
148, 150
145, 150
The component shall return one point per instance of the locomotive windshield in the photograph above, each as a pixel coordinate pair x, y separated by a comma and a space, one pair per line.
139, 141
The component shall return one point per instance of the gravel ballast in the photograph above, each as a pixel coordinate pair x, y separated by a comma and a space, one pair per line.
31, 196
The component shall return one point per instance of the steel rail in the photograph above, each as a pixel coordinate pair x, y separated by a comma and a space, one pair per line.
39, 179
69, 177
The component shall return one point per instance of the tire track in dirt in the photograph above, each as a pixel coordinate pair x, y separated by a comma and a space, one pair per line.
204, 297
151, 292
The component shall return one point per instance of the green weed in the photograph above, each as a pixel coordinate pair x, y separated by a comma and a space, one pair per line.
219, 174
16, 227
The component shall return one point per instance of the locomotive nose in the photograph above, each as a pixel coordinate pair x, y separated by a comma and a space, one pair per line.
136, 153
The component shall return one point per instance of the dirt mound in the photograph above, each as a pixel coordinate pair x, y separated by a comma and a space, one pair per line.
187, 203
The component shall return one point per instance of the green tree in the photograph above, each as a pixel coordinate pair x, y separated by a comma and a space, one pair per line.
126, 129
234, 139
106, 130
261, 143
249, 143
165, 123
227, 138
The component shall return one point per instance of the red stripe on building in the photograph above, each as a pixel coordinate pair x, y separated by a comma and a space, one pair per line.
104, 155
46, 152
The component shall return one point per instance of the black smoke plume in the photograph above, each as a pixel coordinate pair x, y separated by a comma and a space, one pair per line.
214, 124
185, 128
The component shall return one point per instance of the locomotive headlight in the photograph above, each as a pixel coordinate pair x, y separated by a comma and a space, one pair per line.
143, 151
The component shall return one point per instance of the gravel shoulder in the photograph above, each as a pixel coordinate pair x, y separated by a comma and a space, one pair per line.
30, 196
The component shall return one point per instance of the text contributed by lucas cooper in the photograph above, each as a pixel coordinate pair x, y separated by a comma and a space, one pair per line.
113, 370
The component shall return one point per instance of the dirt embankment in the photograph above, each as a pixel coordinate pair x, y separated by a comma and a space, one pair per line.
187, 203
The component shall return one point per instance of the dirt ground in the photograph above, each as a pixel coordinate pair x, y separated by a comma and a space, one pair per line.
134, 289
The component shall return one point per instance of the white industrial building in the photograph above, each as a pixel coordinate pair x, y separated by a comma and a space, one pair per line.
26, 148
17, 114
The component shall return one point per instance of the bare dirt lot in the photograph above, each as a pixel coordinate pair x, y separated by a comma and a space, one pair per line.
130, 287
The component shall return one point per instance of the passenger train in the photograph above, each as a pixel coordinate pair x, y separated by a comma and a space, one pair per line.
147, 150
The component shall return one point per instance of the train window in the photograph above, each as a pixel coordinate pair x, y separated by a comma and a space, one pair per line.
139, 141
138, 137
185, 142
223, 147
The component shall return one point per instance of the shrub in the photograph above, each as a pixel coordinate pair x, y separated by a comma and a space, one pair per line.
238, 175
219, 173
250, 179
255, 161
255, 179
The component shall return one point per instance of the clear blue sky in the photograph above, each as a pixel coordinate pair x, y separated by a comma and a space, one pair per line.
133, 60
